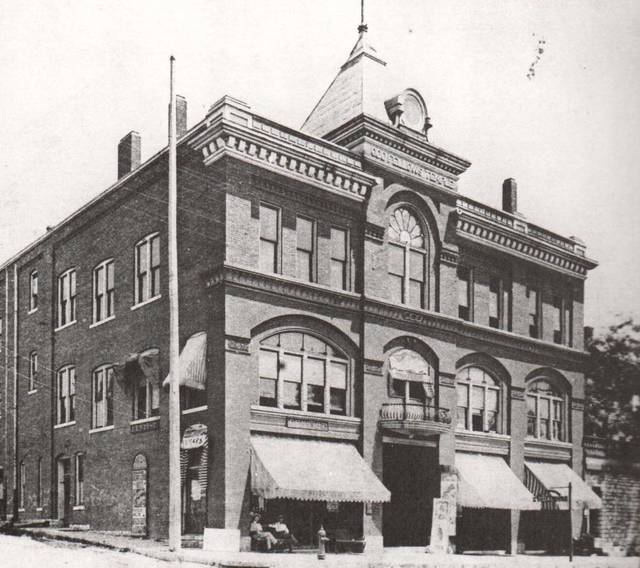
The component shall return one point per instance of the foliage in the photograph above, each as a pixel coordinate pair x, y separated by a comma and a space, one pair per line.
613, 384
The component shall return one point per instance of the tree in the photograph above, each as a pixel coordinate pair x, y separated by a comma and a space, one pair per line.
613, 384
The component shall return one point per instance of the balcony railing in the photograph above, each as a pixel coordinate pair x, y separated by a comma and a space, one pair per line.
414, 418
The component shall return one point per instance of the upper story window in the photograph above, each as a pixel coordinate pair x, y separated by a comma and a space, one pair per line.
411, 377
102, 399
499, 303
146, 397
535, 312
33, 291
339, 258
33, 371
147, 268
269, 238
465, 293
562, 320
299, 371
67, 298
407, 258
66, 394
103, 291
546, 409
478, 400
305, 248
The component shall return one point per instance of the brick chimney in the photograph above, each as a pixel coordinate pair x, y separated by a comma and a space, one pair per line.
128, 153
510, 196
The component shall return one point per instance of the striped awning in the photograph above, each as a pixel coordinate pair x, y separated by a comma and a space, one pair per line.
550, 481
487, 482
407, 365
193, 362
312, 470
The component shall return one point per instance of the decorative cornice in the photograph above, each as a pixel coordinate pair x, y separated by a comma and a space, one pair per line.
497, 444
237, 344
373, 232
373, 367
449, 257
282, 286
446, 380
517, 393
541, 449
577, 404
232, 130
509, 234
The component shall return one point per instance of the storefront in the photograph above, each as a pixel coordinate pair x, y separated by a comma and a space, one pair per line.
549, 528
488, 491
313, 483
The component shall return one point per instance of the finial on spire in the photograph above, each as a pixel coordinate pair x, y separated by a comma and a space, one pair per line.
362, 27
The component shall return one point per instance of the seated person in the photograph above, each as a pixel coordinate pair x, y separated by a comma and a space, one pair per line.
256, 531
281, 531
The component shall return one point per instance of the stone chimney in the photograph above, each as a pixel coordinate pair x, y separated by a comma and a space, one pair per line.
129, 153
181, 115
510, 196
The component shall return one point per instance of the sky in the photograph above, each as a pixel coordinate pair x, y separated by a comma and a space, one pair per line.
78, 75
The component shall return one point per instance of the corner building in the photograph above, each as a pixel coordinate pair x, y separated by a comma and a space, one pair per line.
357, 339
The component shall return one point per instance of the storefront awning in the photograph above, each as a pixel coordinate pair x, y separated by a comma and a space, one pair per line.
555, 477
146, 363
312, 470
487, 482
193, 363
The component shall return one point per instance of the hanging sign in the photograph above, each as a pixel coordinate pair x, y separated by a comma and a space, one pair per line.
195, 436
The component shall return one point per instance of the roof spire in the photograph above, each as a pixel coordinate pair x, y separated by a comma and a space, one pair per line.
362, 28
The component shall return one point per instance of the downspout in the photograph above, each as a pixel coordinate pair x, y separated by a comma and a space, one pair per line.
15, 392
6, 383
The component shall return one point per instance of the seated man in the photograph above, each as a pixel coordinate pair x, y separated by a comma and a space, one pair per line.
281, 531
256, 532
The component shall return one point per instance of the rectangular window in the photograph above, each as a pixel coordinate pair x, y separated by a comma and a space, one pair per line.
465, 288
416, 279
396, 273
534, 312
33, 291
269, 238
532, 413
23, 485
66, 395
39, 484
506, 305
463, 405
268, 378
494, 302
338, 388
146, 399
102, 407
557, 319
33, 371
79, 496
314, 375
291, 374
67, 298
339, 255
103, 291
305, 249
568, 322
191, 398
147, 270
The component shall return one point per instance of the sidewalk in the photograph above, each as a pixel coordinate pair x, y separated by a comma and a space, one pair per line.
391, 558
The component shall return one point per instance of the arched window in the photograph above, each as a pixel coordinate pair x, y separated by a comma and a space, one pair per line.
479, 400
410, 376
407, 258
299, 371
546, 411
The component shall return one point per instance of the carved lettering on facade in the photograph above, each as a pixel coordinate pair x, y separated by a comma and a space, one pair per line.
237, 344
307, 424
373, 367
412, 168
517, 393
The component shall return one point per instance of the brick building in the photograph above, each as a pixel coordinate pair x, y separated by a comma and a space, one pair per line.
357, 338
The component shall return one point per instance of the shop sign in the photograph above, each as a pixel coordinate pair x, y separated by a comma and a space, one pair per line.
439, 527
195, 436
139, 504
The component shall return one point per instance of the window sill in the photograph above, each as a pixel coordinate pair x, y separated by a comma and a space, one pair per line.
32, 391
78, 508
21, 510
149, 301
475, 433
66, 325
545, 442
64, 424
195, 409
101, 429
39, 509
105, 320
145, 420
33, 311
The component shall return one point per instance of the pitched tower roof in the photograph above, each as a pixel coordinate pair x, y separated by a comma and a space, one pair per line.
358, 88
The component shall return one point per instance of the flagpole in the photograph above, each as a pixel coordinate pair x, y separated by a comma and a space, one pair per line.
175, 509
